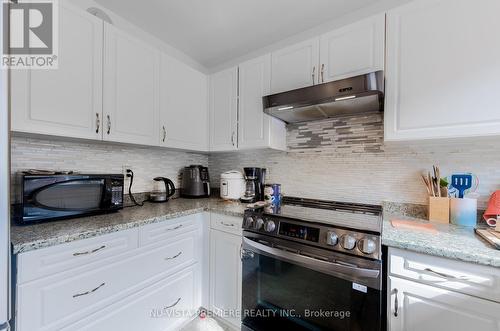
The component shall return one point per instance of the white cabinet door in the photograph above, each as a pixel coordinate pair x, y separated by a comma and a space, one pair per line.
225, 275
66, 101
223, 110
295, 66
183, 106
442, 70
165, 305
131, 81
421, 307
255, 128
353, 50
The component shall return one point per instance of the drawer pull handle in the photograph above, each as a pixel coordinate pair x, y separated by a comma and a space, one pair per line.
173, 305
227, 224
88, 292
172, 229
440, 274
396, 303
90, 252
173, 257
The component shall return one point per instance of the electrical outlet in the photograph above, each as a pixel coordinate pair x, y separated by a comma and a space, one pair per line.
124, 169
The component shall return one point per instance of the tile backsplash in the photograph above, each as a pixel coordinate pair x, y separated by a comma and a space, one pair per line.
94, 157
346, 159
341, 159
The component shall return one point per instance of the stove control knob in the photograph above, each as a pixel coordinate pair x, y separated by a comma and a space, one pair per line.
367, 246
249, 221
259, 223
332, 238
269, 226
348, 242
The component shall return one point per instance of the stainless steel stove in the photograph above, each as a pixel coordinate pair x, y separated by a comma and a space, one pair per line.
312, 255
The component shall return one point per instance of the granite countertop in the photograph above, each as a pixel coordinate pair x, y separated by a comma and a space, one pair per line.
29, 237
447, 241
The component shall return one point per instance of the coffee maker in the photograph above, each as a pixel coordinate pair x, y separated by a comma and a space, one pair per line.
254, 186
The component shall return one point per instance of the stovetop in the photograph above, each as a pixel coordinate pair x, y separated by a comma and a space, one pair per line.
349, 228
347, 215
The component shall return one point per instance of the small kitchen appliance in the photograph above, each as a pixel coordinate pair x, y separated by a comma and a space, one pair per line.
232, 185
254, 186
309, 257
46, 197
162, 196
195, 182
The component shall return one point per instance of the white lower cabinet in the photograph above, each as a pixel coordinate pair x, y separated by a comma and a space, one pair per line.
432, 293
422, 307
156, 285
225, 275
163, 306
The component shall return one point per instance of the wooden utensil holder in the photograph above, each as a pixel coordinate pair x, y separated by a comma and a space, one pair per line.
439, 210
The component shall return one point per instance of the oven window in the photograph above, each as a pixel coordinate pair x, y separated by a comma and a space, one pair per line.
278, 295
72, 195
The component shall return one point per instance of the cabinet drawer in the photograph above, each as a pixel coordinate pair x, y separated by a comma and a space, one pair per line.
156, 232
52, 260
151, 308
53, 302
230, 224
467, 278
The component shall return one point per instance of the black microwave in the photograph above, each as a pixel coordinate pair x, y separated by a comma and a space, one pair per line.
61, 196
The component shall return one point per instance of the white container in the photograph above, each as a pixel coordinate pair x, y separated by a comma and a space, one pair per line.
232, 185
463, 211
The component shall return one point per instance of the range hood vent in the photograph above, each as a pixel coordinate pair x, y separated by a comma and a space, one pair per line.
355, 95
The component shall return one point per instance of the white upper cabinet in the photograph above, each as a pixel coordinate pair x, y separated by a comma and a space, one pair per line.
442, 70
255, 128
295, 66
183, 106
131, 87
352, 50
66, 101
223, 110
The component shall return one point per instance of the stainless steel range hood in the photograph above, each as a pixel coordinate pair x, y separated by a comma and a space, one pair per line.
360, 94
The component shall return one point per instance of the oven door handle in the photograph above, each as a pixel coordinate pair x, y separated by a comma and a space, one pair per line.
316, 264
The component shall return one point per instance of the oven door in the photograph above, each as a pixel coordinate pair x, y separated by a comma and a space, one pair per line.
284, 290
46, 198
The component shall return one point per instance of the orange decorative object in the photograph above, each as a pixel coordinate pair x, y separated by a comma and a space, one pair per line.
413, 225
493, 209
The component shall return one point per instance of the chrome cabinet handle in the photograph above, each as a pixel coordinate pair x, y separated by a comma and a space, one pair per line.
173, 257
227, 224
164, 133
109, 123
323, 73
314, 74
173, 305
441, 274
232, 138
97, 122
396, 303
88, 292
175, 228
90, 252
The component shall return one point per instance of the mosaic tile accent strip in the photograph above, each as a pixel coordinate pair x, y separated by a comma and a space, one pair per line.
358, 134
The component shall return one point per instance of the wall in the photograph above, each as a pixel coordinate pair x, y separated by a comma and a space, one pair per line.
95, 157
345, 159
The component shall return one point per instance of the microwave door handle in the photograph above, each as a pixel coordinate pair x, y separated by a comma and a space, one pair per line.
320, 265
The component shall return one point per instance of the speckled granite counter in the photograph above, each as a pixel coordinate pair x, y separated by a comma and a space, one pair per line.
449, 241
26, 238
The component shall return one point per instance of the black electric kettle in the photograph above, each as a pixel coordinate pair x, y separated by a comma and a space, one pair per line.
160, 196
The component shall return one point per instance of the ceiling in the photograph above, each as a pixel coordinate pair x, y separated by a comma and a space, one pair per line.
213, 32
